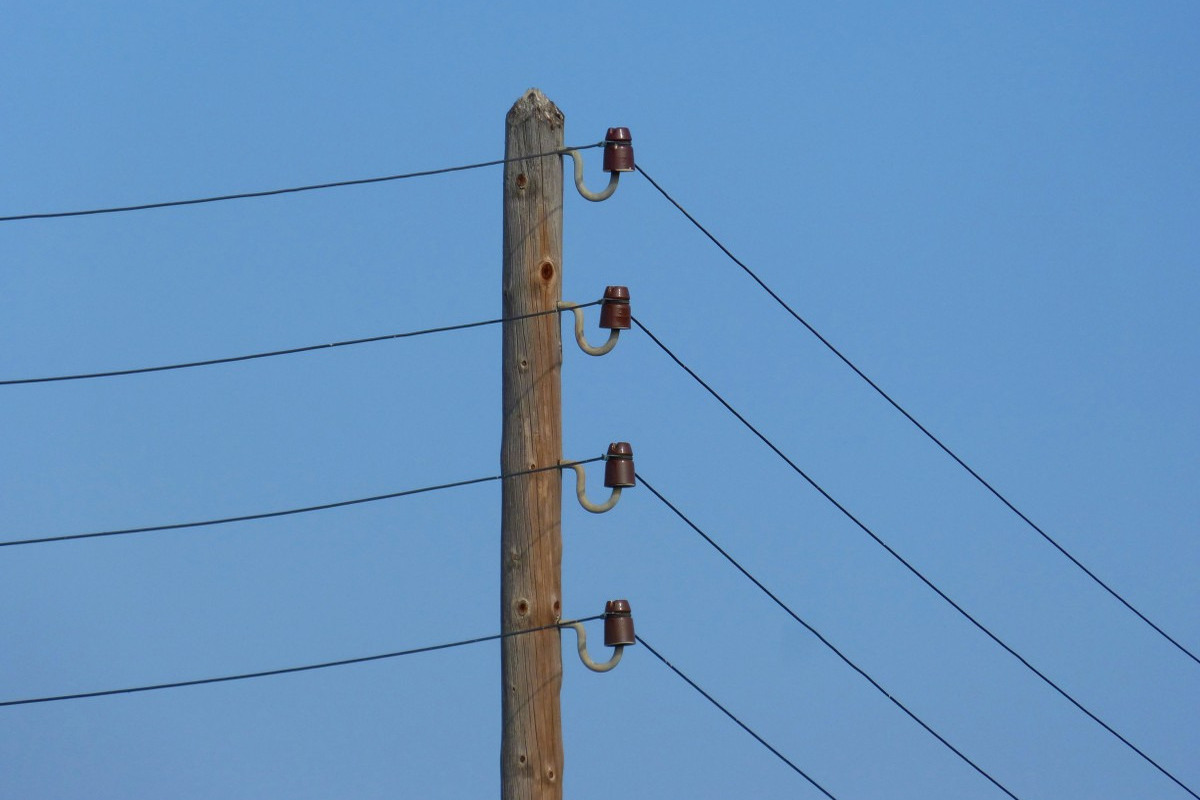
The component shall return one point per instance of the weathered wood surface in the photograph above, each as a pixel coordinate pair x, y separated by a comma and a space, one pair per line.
531, 750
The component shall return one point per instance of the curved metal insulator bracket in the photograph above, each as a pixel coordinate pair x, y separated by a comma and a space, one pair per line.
618, 650
581, 492
595, 197
581, 339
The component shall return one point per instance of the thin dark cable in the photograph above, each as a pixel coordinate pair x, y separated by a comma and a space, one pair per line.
995, 492
290, 511
292, 190
821, 638
286, 670
729, 714
909, 566
289, 351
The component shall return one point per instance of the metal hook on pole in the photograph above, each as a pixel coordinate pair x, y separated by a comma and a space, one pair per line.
581, 634
595, 197
581, 493
618, 632
591, 350
614, 315
618, 474
618, 158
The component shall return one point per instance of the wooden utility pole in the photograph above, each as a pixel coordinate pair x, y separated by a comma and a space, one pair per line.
531, 749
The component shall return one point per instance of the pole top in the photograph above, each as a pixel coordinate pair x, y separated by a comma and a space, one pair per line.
535, 104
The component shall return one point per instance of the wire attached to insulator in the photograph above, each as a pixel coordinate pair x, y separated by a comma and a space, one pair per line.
581, 339
594, 666
618, 158
293, 189
581, 493
287, 512
284, 670
618, 474
615, 315
618, 633
595, 197
289, 351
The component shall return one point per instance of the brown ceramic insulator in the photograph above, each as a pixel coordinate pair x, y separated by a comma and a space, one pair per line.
618, 467
615, 311
618, 623
618, 150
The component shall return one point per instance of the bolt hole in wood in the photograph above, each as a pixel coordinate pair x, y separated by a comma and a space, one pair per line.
522, 607
522, 181
547, 271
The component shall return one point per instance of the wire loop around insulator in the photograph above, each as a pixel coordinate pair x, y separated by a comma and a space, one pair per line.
581, 634
591, 350
581, 492
595, 197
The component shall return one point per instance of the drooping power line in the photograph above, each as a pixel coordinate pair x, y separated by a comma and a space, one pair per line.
821, 638
907, 565
290, 190
289, 351
285, 670
288, 512
740, 724
929, 434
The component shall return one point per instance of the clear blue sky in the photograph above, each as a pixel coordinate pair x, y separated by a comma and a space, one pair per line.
991, 210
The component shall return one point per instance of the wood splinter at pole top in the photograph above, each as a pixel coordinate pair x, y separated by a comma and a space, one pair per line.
531, 749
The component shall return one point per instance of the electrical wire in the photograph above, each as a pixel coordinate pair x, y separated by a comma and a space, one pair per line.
293, 189
821, 638
289, 351
965, 614
291, 511
929, 434
729, 714
286, 670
